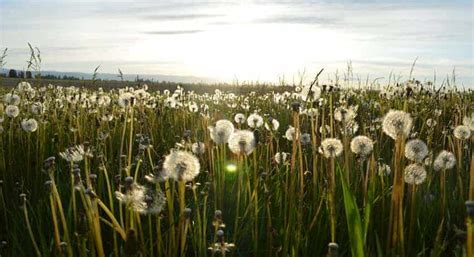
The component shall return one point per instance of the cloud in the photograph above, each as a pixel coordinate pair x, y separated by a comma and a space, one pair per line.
172, 32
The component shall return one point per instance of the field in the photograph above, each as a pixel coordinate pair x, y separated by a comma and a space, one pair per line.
308, 170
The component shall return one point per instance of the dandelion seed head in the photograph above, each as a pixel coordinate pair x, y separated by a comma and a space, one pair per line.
273, 126
73, 154
126, 99
12, 111
181, 166
29, 125
290, 133
254, 120
281, 157
362, 145
331, 147
198, 148
221, 133
242, 142
310, 93
469, 121
397, 124
462, 132
444, 161
414, 174
416, 150
239, 118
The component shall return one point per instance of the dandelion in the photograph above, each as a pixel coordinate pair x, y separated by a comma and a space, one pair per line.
290, 133
274, 125
383, 169
414, 174
312, 112
305, 139
310, 93
362, 145
254, 120
198, 148
397, 124
37, 108
462, 132
126, 99
193, 107
73, 154
281, 157
239, 118
12, 111
29, 125
331, 147
181, 166
416, 150
431, 123
242, 142
142, 200
12, 99
345, 115
221, 133
444, 161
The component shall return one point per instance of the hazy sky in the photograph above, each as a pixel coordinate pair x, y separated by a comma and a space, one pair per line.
244, 40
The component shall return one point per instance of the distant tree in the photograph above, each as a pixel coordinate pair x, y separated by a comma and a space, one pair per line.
29, 75
21, 74
12, 74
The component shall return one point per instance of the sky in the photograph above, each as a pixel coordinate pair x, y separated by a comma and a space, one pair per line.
264, 41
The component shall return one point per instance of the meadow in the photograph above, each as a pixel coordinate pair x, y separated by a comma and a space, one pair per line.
311, 170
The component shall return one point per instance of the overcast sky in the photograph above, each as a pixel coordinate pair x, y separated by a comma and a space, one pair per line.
244, 40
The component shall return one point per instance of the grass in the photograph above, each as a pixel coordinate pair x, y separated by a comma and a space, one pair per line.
240, 204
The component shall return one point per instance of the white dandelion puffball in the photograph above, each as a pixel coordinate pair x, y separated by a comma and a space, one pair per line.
431, 123
274, 125
193, 107
29, 125
416, 150
310, 93
331, 147
281, 157
12, 111
444, 161
73, 154
469, 121
312, 112
242, 142
198, 148
397, 124
254, 120
414, 174
305, 139
181, 166
290, 133
345, 115
220, 133
126, 99
12, 99
362, 145
142, 200
462, 132
240, 118
383, 169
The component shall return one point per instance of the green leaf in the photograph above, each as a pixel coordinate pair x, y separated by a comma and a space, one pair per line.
354, 222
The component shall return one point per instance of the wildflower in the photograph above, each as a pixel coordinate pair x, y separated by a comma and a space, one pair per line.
274, 125
29, 125
416, 150
221, 133
242, 142
198, 148
254, 120
414, 174
12, 111
397, 124
126, 99
239, 118
362, 145
37, 108
193, 107
331, 147
12, 99
305, 139
181, 165
142, 200
444, 161
345, 115
290, 133
73, 154
310, 93
383, 169
462, 132
281, 157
